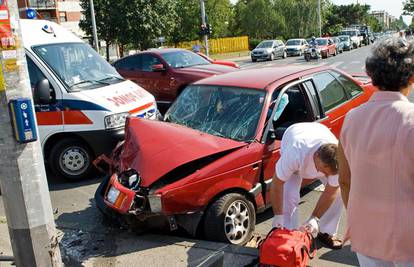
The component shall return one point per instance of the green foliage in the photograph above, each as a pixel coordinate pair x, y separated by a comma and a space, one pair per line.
408, 7
345, 16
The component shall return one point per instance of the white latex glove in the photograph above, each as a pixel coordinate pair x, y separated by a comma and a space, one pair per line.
311, 226
277, 221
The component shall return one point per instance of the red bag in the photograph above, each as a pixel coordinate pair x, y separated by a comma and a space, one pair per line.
286, 248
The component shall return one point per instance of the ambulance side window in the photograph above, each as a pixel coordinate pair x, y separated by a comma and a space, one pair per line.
35, 74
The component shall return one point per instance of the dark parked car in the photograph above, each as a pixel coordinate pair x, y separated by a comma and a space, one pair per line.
269, 50
166, 72
208, 167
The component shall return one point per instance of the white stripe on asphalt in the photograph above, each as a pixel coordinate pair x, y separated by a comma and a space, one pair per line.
355, 62
336, 64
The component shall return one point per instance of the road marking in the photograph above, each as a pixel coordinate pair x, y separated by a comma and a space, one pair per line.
355, 62
336, 64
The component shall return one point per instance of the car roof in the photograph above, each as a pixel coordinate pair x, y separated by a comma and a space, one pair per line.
163, 50
260, 78
294, 39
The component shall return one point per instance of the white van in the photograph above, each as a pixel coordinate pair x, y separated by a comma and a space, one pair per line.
81, 102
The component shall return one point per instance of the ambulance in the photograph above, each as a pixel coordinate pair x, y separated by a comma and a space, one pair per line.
81, 102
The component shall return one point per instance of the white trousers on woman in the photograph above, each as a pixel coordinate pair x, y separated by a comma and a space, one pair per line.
365, 261
328, 223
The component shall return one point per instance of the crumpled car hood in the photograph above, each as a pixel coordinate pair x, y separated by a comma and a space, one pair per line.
154, 148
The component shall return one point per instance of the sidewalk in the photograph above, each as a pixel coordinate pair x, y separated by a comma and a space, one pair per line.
234, 56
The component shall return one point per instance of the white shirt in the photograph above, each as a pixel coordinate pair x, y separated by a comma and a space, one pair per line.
299, 143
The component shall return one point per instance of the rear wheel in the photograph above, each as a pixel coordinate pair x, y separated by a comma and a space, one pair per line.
231, 219
71, 159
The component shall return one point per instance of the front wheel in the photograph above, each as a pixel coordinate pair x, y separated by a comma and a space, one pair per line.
230, 219
71, 159
284, 54
272, 57
307, 57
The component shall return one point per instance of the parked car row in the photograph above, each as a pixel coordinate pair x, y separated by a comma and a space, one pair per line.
272, 49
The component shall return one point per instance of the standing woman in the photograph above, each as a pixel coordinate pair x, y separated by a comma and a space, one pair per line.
376, 161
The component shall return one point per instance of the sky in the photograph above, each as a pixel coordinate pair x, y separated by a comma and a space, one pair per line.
394, 7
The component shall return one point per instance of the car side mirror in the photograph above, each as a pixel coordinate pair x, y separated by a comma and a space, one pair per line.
158, 67
272, 134
43, 92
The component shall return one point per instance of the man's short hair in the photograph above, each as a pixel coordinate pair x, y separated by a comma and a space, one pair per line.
327, 153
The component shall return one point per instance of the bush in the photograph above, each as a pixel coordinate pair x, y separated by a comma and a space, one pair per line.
253, 43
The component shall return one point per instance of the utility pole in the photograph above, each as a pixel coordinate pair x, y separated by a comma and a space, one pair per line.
94, 31
22, 174
319, 18
203, 22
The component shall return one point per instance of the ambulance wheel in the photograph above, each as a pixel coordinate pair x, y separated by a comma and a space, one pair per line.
230, 219
71, 159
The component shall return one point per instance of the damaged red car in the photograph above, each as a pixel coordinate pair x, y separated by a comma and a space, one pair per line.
207, 168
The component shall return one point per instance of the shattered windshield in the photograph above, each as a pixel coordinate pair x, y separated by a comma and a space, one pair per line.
228, 112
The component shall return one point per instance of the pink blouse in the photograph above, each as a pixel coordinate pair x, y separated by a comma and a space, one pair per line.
378, 141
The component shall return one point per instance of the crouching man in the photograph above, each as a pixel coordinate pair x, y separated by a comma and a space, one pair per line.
308, 151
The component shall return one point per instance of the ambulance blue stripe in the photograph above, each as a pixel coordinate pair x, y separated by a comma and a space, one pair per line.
80, 105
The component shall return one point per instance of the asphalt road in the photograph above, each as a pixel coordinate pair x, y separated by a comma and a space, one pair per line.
85, 230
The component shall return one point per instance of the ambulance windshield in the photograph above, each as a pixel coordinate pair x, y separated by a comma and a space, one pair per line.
78, 66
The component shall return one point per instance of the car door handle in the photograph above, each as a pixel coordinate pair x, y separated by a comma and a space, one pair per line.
255, 166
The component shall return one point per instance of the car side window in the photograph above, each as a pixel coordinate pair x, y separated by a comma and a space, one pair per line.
128, 63
316, 103
148, 61
350, 86
330, 90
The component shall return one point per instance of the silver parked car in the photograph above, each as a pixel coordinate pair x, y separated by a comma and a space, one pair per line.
296, 47
269, 49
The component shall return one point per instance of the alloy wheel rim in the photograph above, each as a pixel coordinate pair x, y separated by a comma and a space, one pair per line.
237, 222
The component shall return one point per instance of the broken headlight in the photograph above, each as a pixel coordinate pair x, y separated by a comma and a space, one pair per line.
130, 179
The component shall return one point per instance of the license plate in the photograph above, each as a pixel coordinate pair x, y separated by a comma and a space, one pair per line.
112, 195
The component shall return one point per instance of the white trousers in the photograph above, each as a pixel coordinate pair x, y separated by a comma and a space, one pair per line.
365, 261
328, 223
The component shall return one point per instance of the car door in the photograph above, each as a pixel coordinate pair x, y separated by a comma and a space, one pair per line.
271, 152
334, 100
281, 49
128, 68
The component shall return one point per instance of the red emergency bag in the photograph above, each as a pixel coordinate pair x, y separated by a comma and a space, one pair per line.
286, 248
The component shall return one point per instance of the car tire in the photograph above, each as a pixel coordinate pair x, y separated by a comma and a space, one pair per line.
284, 55
254, 59
220, 220
71, 159
271, 57
335, 53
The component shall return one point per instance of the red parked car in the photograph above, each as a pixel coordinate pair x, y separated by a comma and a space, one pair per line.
166, 72
327, 47
208, 167
220, 62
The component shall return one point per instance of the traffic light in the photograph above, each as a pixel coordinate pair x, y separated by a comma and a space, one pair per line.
203, 30
209, 29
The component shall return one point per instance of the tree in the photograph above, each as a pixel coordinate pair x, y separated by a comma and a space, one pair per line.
146, 21
108, 16
408, 7
219, 14
187, 26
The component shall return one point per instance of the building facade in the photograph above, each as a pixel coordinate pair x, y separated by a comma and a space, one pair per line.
68, 13
384, 18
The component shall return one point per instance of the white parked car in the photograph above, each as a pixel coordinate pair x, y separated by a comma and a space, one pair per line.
296, 47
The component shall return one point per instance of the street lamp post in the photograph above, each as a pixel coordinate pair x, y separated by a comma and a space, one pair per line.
319, 18
203, 22
94, 31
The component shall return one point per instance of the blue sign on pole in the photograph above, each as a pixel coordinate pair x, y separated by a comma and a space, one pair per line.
22, 115
30, 13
